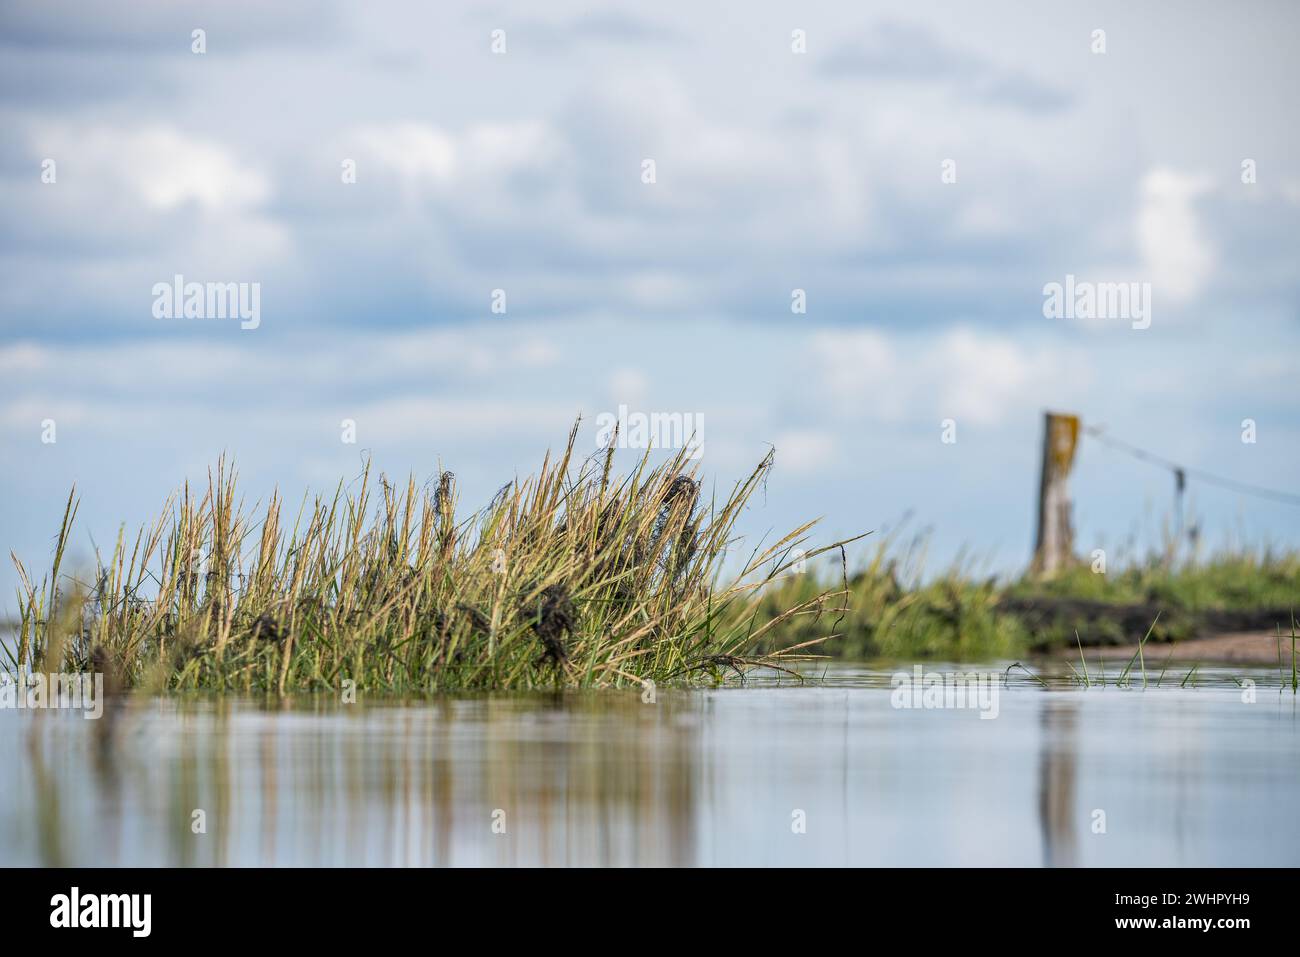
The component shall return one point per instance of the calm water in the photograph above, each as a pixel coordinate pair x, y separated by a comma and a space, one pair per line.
1184, 777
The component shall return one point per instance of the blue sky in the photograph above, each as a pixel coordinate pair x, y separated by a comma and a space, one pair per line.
775, 171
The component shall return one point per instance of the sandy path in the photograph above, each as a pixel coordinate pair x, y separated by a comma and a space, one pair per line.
1256, 647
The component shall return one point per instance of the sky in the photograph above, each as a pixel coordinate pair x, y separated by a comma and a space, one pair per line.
455, 247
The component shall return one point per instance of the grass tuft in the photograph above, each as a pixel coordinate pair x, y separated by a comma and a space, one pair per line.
570, 578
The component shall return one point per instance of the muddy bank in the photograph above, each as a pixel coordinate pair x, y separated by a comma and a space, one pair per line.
1055, 620
1253, 648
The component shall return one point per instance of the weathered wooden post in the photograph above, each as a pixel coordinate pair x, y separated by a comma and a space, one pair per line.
1054, 545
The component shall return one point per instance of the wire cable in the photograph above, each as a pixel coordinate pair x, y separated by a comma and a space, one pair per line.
1244, 488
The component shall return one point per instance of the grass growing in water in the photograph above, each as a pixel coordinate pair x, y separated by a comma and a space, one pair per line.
569, 578
1139, 656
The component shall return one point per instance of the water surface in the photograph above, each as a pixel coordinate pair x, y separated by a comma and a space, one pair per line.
829, 773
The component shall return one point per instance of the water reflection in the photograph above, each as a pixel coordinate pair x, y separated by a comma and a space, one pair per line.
699, 777
1058, 818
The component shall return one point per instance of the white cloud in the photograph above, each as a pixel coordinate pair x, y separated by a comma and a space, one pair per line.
162, 166
416, 152
628, 386
423, 155
962, 373
1175, 252
478, 417
855, 372
806, 451
139, 203
328, 363
981, 377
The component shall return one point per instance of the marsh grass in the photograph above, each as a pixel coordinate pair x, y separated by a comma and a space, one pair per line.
1245, 578
898, 610
1139, 656
894, 610
570, 578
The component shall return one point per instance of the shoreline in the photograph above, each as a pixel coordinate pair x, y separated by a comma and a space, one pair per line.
1235, 647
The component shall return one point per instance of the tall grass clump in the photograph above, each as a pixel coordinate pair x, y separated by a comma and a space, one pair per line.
570, 578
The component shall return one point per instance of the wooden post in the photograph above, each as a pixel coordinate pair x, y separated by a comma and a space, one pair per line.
1054, 544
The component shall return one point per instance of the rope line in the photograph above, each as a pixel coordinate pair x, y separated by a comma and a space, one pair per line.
1245, 488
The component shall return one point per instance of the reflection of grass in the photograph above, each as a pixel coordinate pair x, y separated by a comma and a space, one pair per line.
570, 577
895, 611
